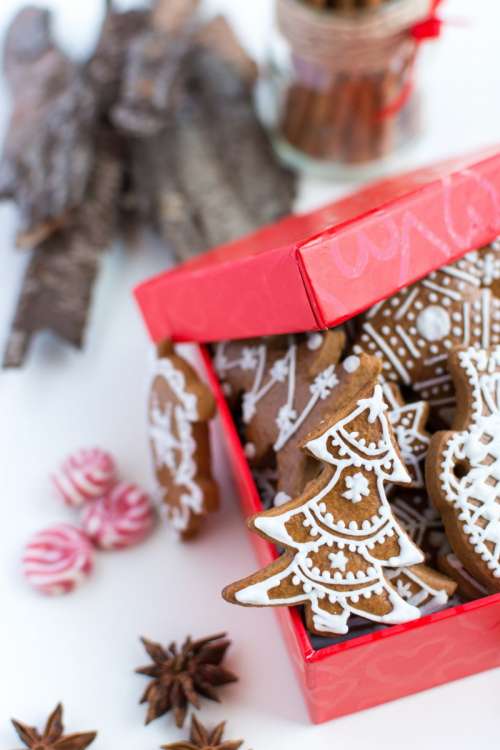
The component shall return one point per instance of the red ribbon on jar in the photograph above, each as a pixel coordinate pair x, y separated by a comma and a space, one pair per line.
422, 31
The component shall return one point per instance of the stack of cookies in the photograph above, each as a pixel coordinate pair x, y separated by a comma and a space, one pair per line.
376, 450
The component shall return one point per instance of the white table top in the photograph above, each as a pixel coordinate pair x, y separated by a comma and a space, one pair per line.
82, 649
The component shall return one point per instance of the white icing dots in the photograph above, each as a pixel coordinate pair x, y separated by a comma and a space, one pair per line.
281, 498
250, 450
351, 364
433, 323
314, 341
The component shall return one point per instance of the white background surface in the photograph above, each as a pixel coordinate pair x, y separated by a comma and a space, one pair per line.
82, 649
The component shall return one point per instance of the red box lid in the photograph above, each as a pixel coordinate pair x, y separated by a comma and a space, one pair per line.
315, 270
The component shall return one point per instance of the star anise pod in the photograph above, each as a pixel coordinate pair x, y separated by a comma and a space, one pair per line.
180, 676
201, 739
52, 737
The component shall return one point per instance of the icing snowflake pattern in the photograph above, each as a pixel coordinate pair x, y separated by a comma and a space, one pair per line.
414, 331
288, 419
322, 570
476, 494
338, 560
357, 488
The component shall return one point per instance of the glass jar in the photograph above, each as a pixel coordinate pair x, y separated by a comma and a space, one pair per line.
339, 89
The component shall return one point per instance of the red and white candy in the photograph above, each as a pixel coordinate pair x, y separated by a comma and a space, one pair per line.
122, 518
58, 559
85, 476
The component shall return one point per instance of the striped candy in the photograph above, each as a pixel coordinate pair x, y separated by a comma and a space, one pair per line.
58, 559
85, 476
123, 517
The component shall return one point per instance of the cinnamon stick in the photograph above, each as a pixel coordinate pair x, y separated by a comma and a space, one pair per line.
341, 121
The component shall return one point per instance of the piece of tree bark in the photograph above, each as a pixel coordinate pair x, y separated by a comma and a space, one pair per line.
171, 15
105, 69
210, 175
48, 151
57, 288
152, 70
265, 188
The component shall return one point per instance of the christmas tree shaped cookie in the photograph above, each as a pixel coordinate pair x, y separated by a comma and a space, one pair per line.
463, 465
179, 408
340, 534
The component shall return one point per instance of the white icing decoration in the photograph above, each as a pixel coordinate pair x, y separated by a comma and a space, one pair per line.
357, 488
351, 364
176, 453
378, 460
414, 328
426, 598
406, 422
434, 323
288, 420
314, 341
250, 450
281, 498
476, 494
338, 560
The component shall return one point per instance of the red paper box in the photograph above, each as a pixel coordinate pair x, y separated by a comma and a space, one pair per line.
314, 271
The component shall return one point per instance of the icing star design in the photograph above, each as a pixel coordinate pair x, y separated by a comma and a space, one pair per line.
338, 560
408, 422
357, 488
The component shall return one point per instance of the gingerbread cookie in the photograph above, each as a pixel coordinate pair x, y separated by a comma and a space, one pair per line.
179, 408
420, 520
340, 534
413, 331
422, 587
467, 586
286, 383
463, 465
408, 422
